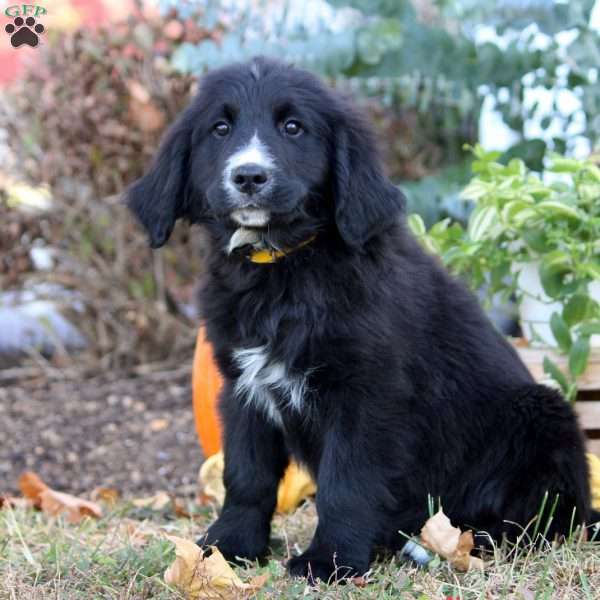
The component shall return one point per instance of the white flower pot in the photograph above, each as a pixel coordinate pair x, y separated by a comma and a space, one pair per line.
536, 308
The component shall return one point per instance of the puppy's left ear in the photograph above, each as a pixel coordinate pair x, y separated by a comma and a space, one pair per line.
366, 202
158, 198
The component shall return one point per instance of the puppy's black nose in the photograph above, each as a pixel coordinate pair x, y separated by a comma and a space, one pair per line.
249, 178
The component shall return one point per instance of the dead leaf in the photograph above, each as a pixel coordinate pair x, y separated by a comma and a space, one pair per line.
75, 509
203, 499
180, 509
441, 537
12, 502
108, 495
53, 503
210, 477
359, 582
159, 501
198, 576
136, 532
31, 487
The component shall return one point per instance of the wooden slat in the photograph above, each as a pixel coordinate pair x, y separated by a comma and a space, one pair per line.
593, 446
534, 358
589, 414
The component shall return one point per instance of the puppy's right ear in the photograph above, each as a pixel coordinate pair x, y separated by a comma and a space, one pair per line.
158, 199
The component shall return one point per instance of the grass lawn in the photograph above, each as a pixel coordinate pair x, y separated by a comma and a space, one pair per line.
124, 555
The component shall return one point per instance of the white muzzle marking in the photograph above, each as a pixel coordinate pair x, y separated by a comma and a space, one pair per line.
254, 152
251, 217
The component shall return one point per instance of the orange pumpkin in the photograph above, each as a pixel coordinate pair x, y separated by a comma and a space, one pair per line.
206, 386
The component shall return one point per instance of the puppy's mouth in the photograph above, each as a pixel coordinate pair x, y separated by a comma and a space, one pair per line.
251, 217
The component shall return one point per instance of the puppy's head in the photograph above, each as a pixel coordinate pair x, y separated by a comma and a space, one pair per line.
267, 148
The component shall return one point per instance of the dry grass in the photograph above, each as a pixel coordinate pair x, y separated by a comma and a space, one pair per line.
124, 555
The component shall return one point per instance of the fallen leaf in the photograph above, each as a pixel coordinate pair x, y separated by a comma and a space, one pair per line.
74, 508
159, 501
136, 532
12, 502
32, 486
203, 499
210, 477
441, 537
108, 495
198, 576
359, 582
53, 503
180, 509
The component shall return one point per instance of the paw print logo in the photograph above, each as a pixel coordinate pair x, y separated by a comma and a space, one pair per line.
24, 31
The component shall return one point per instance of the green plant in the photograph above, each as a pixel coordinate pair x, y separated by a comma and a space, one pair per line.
521, 219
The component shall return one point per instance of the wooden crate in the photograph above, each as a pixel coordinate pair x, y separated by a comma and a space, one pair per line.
588, 400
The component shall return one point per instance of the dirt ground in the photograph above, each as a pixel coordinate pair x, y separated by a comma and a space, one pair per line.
134, 434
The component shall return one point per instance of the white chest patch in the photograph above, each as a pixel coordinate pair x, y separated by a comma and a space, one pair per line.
261, 379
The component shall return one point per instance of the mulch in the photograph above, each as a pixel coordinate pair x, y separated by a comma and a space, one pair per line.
135, 434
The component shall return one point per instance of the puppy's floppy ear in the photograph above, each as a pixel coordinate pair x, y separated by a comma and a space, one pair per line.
158, 198
366, 202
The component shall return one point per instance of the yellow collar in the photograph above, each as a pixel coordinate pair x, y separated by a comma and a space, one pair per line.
261, 257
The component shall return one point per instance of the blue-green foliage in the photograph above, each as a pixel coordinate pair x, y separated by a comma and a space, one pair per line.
437, 64
387, 40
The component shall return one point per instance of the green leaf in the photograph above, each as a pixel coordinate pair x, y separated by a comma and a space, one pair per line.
561, 333
536, 240
476, 189
551, 369
517, 212
579, 355
417, 225
483, 223
498, 274
588, 329
557, 208
553, 268
592, 270
564, 165
577, 308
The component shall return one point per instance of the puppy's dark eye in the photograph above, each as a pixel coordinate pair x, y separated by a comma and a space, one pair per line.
221, 129
292, 128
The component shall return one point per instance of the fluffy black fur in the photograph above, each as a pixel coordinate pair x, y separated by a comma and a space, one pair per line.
410, 393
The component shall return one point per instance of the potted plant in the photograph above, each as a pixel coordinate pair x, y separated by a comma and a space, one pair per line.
537, 238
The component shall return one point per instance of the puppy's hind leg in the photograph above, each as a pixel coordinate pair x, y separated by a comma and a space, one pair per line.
549, 483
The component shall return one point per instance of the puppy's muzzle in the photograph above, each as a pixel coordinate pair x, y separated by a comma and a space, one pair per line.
251, 217
250, 178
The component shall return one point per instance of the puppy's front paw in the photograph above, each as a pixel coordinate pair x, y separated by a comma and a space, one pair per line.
236, 543
327, 569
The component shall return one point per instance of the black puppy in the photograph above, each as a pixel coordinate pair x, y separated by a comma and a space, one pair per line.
342, 343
